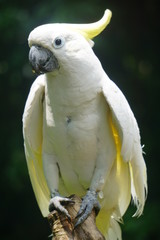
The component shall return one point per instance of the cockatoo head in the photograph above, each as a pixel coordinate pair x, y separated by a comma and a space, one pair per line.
52, 46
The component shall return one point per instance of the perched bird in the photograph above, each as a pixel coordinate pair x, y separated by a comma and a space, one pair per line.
80, 134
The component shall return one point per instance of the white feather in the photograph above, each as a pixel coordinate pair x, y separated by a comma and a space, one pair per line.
32, 132
131, 150
84, 129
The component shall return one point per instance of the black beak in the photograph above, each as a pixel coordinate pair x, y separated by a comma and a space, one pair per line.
42, 60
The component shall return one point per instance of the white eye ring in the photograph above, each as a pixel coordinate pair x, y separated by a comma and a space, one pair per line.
58, 42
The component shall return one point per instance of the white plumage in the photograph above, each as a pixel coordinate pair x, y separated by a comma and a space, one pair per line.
79, 131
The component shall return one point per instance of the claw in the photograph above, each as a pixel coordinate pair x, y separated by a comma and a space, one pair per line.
82, 209
67, 201
82, 218
89, 202
58, 203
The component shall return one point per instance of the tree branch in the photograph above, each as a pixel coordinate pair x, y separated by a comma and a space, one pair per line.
63, 228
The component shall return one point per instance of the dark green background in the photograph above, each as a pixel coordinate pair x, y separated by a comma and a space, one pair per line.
128, 50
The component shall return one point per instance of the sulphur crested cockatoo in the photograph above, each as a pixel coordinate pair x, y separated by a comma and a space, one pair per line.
80, 134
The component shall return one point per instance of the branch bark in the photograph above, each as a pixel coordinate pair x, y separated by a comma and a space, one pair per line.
63, 228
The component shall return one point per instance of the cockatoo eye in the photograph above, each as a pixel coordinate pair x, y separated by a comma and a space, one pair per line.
58, 42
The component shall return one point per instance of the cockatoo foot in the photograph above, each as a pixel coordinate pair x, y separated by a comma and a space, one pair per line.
89, 202
58, 202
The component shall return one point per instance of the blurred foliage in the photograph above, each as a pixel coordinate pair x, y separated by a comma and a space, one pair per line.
128, 50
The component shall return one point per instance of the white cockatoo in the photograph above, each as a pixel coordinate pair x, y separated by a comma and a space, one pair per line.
80, 134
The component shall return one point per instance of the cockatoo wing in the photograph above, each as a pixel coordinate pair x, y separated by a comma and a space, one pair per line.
32, 131
127, 136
